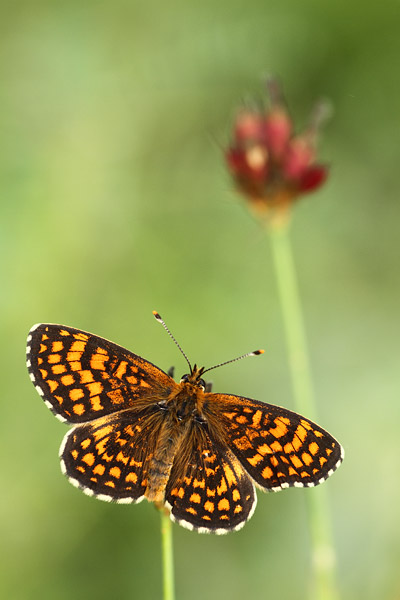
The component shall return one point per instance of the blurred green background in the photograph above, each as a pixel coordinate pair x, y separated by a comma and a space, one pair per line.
115, 201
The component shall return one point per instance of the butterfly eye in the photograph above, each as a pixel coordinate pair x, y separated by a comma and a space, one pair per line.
184, 378
202, 384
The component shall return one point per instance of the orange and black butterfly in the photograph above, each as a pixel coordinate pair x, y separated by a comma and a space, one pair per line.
138, 434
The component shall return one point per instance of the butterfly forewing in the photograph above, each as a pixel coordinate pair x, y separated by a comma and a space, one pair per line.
208, 489
83, 377
277, 447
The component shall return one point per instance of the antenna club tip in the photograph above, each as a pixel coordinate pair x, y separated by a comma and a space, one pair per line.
157, 316
257, 352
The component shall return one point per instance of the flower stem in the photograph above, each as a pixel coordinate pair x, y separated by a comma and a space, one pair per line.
323, 554
167, 557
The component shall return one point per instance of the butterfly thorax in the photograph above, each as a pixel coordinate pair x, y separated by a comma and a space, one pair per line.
181, 413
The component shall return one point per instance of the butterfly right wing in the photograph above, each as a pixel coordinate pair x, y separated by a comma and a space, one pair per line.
82, 377
208, 489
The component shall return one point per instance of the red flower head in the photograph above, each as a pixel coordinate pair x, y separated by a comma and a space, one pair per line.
270, 164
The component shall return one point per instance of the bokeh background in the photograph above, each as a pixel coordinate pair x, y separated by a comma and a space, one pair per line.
115, 201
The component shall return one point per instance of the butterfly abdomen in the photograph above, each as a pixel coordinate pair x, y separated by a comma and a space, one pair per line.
161, 462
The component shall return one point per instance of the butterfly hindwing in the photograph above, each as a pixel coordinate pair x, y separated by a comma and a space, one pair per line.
277, 447
83, 377
208, 489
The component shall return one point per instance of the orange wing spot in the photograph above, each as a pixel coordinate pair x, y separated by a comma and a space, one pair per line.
78, 346
132, 380
231, 415
85, 443
292, 471
64, 333
187, 480
89, 459
300, 433
206, 518
296, 444
313, 448
280, 430
43, 348
109, 484
199, 483
191, 510
75, 366
57, 346
76, 394
322, 460
235, 495
128, 430
284, 459
241, 419
136, 463
209, 506
248, 410
58, 369
78, 409
256, 420
210, 492
97, 365
238, 509
242, 443
59, 399
39, 360
74, 454
304, 474
53, 385
329, 451
178, 492
53, 358
223, 504
116, 397
296, 461
306, 458
254, 460
44, 336
102, 432
276, 446
86, 376
224, 518
67, 380
100, 350
280, 474
122, 458
274, 461
222, 488
80, 468
95, 388
96, 403
230, 476
195, 498
306, 424
318, 433
131, 477
81, 336
264, 449
108, 457
267, 473
121, 370
43, 373
73, 356
144, 384
115, 472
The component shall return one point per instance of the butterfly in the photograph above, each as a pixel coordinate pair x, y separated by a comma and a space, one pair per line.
139, 434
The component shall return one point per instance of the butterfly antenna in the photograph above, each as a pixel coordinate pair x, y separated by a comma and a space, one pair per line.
255, 353
161, 320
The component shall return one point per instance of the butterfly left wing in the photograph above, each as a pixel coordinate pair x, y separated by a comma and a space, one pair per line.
277, 447
82, 377
208, 489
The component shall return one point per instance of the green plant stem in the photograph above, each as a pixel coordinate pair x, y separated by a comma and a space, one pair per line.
167, 557
323, 554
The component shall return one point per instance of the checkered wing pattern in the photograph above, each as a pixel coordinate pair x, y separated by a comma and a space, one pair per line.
82, 377
277, 447
109, 457
208, 489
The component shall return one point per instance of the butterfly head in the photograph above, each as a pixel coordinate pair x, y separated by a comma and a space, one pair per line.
195, 377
